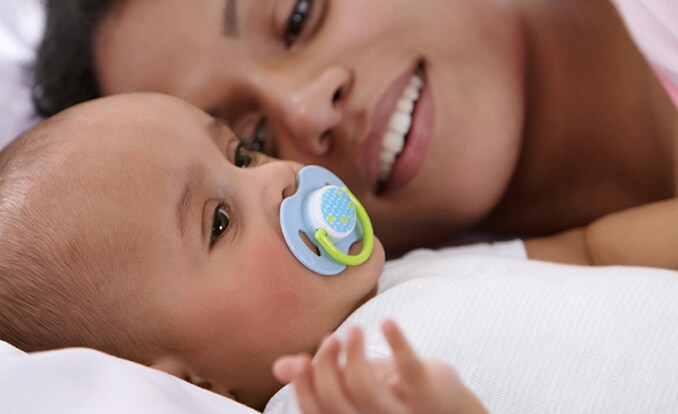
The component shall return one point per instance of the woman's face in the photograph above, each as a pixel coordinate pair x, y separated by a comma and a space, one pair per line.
418, 106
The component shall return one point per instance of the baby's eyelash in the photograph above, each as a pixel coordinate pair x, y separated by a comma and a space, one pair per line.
221, 220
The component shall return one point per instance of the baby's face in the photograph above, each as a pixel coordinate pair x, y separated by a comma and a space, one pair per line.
215, 271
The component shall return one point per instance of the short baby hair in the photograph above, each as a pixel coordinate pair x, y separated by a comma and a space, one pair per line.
57, 288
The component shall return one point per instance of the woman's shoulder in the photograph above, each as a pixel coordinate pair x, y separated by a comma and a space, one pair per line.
652, 25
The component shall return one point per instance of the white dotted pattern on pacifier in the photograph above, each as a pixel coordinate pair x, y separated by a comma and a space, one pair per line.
330, 208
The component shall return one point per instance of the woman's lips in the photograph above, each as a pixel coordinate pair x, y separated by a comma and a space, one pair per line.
392, 162
394, 153
380, 117
399, 126
411, 159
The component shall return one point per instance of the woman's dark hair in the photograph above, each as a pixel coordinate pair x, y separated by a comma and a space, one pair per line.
64, 71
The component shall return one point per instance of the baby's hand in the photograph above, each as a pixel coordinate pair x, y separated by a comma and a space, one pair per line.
403, 384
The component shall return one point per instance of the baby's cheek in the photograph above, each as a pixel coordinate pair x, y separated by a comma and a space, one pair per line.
285, 303
284, 286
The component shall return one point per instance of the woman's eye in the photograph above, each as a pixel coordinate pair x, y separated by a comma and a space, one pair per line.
259, 139
219, 224
297, 20
242, 158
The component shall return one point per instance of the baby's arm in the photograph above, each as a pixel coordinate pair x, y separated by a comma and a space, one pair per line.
641, 236
403, 384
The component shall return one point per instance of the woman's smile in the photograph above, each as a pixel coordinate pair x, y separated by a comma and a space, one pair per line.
391, 139
417, 139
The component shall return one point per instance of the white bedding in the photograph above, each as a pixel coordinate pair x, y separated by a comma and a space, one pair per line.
532, 337
529, 337
21, 23
81, 381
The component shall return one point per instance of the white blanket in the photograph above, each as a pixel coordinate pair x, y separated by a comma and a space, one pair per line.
81, 381
533, 337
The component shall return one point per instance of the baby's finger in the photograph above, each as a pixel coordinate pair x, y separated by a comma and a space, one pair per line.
288, 367
357, 368
328, 379
367, 392
304, 389
411, 369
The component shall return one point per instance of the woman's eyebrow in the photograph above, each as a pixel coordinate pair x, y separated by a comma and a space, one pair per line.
230, 24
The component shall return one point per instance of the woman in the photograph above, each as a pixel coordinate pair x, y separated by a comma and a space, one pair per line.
451, 116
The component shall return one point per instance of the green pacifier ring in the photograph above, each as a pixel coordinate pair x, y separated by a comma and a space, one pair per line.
368, 238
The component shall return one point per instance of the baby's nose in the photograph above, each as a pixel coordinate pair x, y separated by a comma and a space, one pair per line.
290, 189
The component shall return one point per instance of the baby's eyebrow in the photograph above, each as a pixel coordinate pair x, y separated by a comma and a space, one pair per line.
184, 204
217, 129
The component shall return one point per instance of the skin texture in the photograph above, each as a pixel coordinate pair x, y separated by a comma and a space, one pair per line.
222, 315
525, 101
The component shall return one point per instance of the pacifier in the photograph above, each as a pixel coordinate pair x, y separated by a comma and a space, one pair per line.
322, 220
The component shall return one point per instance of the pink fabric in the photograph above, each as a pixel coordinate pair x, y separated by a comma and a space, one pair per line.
671, 88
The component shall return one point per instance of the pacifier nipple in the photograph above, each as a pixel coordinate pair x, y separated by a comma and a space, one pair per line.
325, 213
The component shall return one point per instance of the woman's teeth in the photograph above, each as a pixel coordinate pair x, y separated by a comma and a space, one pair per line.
399, 126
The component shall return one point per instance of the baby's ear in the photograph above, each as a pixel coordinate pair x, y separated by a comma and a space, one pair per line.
171, 365
176, 367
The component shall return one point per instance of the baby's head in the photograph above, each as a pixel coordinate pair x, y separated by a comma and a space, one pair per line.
129, 225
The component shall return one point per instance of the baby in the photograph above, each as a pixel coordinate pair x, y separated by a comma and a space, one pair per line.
131, 225
139, 225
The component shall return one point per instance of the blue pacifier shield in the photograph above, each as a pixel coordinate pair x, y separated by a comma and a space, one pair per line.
320, 202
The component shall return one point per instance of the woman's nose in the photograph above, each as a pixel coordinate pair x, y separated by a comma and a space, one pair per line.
307, 110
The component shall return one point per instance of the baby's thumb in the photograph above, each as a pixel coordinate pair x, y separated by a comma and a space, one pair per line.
287, 368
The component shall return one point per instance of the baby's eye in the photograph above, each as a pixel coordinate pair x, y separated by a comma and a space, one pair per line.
242, 158
220, 223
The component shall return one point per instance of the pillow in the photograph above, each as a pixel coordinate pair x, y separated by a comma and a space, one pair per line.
21, 26
79, 381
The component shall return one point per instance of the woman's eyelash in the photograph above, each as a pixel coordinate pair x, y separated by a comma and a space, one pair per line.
242, 157
297, 20
258, 140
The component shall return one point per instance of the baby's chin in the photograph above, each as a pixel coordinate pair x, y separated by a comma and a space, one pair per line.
375, 264
377, 251
378, 254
